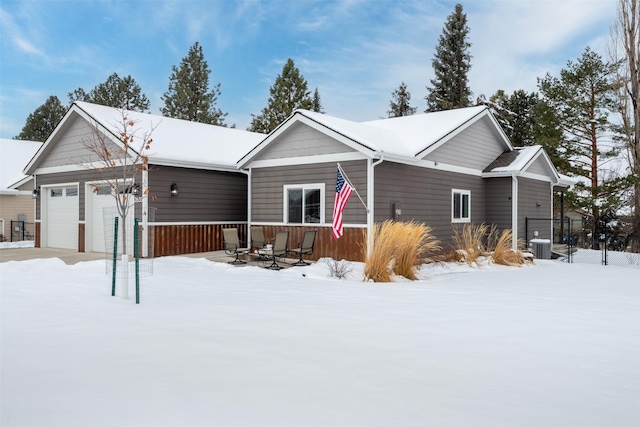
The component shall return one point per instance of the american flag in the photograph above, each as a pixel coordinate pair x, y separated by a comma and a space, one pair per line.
343, 192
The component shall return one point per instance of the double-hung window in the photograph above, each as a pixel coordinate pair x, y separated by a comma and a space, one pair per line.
461, 205
304, 204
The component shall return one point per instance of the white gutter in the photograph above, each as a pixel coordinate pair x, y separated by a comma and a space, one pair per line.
370, 199
248, 173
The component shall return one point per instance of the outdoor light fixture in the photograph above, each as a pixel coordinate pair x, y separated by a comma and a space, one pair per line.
174, 189
35, 193
135, 190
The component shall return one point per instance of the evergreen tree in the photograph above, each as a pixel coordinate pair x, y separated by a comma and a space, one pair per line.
288, 93
516, 115
117, 92
400, 102
188, 96
582, 99
451, 64
41, 123
317, 105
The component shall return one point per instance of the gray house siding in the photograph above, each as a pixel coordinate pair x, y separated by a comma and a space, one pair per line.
425, 195
69, 148
302, 140
534, 201
202, 195
498, 202
268, 189
475, 147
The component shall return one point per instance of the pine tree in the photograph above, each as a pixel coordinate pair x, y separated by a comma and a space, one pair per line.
582, 99
121, 93
451, 64
288, 93
188, 96
515, 113
399, 103
317, 105
41, 123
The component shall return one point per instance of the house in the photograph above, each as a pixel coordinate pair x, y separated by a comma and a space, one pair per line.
16, 189
444, 169
191, 190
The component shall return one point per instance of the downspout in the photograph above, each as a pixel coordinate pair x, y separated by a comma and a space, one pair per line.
248, 173
514, 211
370, 199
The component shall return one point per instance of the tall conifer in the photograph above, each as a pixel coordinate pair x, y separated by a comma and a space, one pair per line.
399, 103
188, 96
451, 64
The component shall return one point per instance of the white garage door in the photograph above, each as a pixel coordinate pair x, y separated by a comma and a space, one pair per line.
103, 210
62, 217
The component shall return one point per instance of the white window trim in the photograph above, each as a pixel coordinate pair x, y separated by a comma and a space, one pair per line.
285, 200
455, 191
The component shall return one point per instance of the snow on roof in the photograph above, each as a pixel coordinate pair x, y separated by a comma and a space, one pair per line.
403, 136
14, 156
180, 142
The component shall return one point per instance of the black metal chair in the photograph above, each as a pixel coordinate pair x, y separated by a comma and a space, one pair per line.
232, 245
305, 247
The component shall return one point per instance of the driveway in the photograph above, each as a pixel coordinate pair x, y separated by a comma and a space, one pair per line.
67, 255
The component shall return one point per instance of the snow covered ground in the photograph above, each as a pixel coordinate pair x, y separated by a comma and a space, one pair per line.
214, 345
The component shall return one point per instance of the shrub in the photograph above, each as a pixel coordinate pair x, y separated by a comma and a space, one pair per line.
398, 247
338, 269
416, 241
469, 242
503, 252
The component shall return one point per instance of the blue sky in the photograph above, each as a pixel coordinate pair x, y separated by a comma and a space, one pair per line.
355, 51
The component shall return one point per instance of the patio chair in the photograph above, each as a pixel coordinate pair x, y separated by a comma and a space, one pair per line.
257, 237
279, 249
258, 242
232, 245
305, 247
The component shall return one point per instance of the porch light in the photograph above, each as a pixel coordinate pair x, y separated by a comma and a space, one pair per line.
35, 193
174, 189
135, 190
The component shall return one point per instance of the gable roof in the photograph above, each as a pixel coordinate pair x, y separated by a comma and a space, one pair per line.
405, 138
14, 156
518, 161
175, 142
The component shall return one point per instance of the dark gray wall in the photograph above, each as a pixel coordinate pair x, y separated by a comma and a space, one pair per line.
425, 195
267, 189
498, 203
530, 194
202, 195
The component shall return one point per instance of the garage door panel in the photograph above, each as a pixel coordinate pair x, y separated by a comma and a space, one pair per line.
62, 217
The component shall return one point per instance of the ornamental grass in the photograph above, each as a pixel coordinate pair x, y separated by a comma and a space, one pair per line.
398, 247
469, 242
503, 252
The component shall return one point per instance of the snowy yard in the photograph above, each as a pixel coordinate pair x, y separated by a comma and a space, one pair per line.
213, 345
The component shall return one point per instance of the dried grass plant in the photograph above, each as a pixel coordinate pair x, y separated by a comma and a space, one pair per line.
469, 242
398, 247
416, 242
503, 252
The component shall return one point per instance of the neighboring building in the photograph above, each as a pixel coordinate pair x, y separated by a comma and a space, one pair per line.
16, 189
196, 160
444, 169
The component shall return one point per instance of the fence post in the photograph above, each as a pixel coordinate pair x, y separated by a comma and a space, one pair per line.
136, 254
115, 260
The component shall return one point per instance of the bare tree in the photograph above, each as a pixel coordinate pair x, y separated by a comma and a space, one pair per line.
121, 161
625, 51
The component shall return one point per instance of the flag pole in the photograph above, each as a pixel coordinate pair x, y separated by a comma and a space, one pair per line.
344, 174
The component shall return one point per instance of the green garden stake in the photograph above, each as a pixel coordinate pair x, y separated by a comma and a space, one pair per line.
136, 252
115, 254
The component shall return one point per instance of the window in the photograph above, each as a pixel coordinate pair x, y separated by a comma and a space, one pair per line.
461, 202
71, 191
304, 204
56, 192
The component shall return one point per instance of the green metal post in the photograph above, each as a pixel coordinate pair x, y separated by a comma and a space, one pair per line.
115, 255
136, 252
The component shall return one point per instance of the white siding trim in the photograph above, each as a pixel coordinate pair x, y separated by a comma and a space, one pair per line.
308, 160
514, 211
